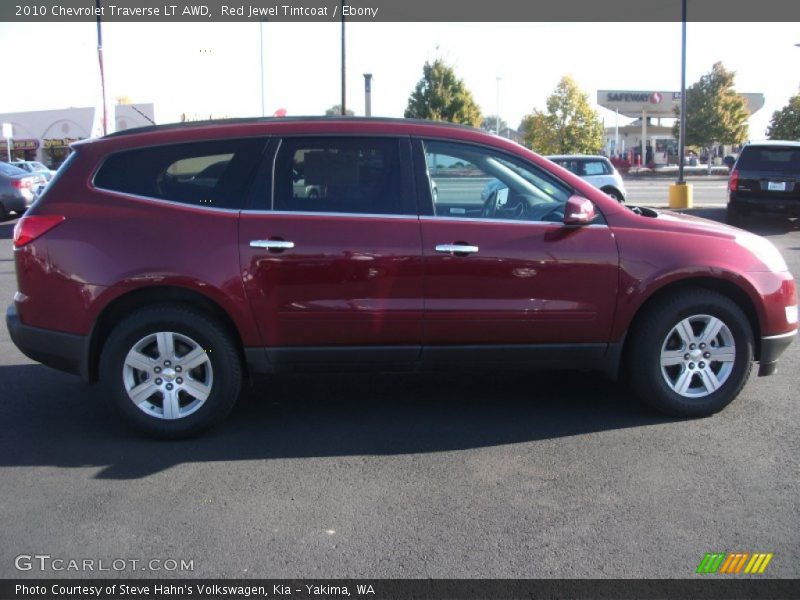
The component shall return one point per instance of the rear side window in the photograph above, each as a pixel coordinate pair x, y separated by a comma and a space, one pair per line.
755, 158
214, 174
344, 175
595, 167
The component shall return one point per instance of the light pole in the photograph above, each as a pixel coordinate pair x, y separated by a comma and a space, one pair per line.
497, 116
344, 88
367, 94
100, 62
680, 193
261, 45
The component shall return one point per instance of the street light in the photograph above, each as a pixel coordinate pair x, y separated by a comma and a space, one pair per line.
261, 45
497, 116
344, 65
680, 193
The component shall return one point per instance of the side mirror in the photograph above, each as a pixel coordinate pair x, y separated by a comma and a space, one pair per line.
579, 211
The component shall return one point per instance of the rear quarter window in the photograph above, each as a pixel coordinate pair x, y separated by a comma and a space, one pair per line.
595, 167
214, 174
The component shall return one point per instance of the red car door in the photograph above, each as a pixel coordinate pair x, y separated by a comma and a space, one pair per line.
337, 260
501, 269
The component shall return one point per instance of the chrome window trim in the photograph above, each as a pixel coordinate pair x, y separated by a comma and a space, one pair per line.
504, 221
166, 202
311, 213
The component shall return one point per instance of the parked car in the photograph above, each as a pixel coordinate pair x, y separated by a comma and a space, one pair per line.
35, 167
597, 170
17, 190
170, 293
765, 178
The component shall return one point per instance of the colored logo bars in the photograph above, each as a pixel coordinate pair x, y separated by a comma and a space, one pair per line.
734, 563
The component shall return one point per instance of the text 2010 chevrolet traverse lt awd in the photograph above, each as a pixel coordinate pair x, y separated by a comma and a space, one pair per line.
170, 262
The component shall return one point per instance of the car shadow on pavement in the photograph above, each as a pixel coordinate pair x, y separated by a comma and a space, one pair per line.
53, 419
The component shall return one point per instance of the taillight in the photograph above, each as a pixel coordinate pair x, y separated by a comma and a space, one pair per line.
733, 182
28, 229
21, 183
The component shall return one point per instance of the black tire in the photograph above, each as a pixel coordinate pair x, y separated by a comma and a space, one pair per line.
614, 193
643, 354
734, 216
208, 334
3, 212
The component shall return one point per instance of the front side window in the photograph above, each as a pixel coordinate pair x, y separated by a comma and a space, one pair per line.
469, 181
340, 175
214, 174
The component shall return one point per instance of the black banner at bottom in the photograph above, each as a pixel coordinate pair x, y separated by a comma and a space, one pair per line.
395, 589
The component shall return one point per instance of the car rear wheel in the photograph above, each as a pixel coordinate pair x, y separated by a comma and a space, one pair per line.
3, 212
171, 371
691, 353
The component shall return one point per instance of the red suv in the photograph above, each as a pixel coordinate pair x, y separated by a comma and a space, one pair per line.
171, 262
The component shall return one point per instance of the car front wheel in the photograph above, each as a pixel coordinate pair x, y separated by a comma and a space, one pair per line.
171, 371
691, 353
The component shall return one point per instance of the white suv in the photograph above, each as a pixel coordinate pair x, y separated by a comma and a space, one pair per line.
597, 170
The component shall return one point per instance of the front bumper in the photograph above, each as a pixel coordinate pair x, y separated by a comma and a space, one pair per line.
772, 346
63, 351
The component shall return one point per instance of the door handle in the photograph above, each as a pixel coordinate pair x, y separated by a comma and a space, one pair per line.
272, 244
457, 248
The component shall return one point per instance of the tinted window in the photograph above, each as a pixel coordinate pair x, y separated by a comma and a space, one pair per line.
469, 181
213, 174
345, 175
764, 158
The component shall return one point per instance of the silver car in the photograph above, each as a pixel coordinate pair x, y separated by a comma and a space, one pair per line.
597, 170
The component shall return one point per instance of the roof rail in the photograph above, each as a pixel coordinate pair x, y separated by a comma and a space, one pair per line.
244, 120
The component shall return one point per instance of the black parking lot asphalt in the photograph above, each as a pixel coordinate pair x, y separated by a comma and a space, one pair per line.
492, 474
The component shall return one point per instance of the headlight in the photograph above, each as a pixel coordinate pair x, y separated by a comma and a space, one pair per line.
763, 250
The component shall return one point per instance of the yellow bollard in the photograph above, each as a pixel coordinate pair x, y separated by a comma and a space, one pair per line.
680, 195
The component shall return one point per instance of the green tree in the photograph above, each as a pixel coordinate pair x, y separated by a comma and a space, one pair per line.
441, 96
785, 123
489, 123
336, 111
569, 125
715, 113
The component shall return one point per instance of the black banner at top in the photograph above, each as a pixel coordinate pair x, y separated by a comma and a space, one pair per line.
395, 589
399, 10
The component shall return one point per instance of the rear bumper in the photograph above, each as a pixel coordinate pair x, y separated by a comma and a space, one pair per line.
63, 351
771, 204
772, 347
16, 202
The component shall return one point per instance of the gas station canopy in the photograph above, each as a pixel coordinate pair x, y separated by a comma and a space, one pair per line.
662, 104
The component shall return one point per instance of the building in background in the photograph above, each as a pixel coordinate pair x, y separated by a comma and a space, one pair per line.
45, 135
648, 108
